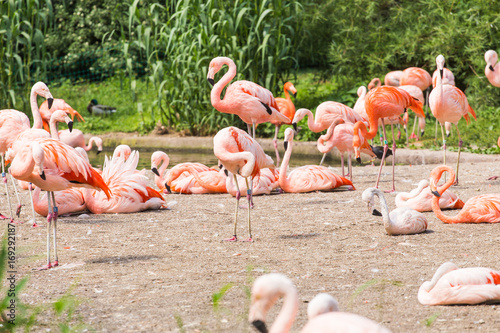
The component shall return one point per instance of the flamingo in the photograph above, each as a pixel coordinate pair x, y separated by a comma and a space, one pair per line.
69, 201
240, 155
251, 102
339, 135
320, 304
195, 178
453, 285
57, 104
160, 160
326, 113
448, 103
384, 102
448, 78
401, 221
131, 192
122, 151
420, 199
53, 166
75, 139
266, 291
481, 208
287, 108
359, 106
417, 77
393, 78
307, 178
415, 92
492, 69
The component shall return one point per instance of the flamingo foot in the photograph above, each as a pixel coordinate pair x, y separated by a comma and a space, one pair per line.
491, 178
18, 210
15, 222
232, 239
43, 268
36, 225
55, 263
3, 217
413, 136
250, 239
280, 191
390, 191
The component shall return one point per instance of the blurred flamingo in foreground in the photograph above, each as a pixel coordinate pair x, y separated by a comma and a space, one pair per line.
481, 208
307, 178
420, 199
401, 221
492, 69
453, 285
287, 108
251, 102
384, 102
240, 155
448, 103
57, 104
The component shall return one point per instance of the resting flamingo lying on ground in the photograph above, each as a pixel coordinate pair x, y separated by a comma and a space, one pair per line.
183, 178
53, 166
287, 108
75, 139
69, 201
492, 69
420, 199
401, 221
159, 165
251, 102
307, 178
481, 208
57, 104
268, 289
263, 183
241, 155
381, 103
453, 285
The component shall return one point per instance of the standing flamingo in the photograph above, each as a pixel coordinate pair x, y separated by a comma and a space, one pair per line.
401, 221
53, 166
448, 78
384, 102
453, 285
339, 135
307, 178
448, 103
240, 155
159, 165
420, 199
492, 69
57, 104
359, 106
75, 139
287, 108
251, 102
481, 208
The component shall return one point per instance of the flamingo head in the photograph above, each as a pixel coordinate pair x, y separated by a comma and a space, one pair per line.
290, 87
41, 89
60, 116
98, 142
440, 64
158, 158
288, 137
215, 66
368, 196
375, 83
38, 157
122, 150
491, 58
435, 176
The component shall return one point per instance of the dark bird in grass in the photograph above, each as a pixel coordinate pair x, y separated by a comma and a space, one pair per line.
99, 109
379, 151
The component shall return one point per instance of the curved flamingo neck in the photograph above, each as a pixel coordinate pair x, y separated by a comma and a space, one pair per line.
404, 196
361, 127
441, 189
384, 209
311, 123
37, 117
329, 138
286, 317
217, 102
287, 95
88, 147
54, 133
165, 161
283, 179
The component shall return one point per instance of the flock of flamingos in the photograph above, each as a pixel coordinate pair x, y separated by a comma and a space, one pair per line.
43, 158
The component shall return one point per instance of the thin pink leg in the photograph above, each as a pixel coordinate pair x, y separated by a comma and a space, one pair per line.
275, 143
238, 196
386, 148
393, 160
342, 162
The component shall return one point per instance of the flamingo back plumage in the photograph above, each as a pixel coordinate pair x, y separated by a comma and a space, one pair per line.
310, 178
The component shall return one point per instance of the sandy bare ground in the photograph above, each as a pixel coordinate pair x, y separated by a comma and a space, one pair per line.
156, 271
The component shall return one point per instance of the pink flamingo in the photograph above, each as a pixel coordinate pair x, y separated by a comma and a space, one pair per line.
251, 102
240, 155
122, 151
75, 139
53, 166
195, 178
69, 201
264, 183
393, 78
268, 289
400, 221
492, 69
322, 303
287, 108
448, 78
307, 178
57, 104
453, 285
417, 77
448, 103
131, 192
420, 199
359, 106
415, 92
326, 113
160, 160
481, 208
340, 135
384, 102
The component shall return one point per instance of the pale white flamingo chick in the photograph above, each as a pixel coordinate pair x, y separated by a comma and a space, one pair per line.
401, 221
453, 285
420, 199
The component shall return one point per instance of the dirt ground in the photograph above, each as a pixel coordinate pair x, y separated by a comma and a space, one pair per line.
156, 271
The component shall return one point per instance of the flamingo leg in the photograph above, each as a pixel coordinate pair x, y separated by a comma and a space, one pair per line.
386, 148
4, 176
275, 143
399, 131
350, 165
18, 209
30, 188
393, 160
249, 129
238, 196
253, 130
460, 143
436, 134
54, 232
322, 159
49, 220
444, 148
249, 198
342, 163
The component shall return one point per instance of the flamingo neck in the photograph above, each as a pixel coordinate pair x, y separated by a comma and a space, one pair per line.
37, 118
311, 123
163, 167
54, 134
329, 138
287, 95
435, 199
286, 317
88, 147
283, 179
404, 196
361, 127
384, 209
217, 102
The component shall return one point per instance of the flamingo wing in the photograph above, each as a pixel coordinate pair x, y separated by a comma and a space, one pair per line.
315, 178
482, 208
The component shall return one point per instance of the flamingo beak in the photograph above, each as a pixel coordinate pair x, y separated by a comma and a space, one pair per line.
70, 126
168, 188
436, 193
358, 159
50, 100
226, 172
42, 175
260, 326
491, 68
376, 213
211, 81
295, 127
441, 72
285, 144
155, 171
295, 95
98, 152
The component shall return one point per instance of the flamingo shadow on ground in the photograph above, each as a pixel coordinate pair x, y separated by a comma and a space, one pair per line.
301, 236
121, 259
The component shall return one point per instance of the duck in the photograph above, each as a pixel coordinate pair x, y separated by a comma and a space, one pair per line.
99, 109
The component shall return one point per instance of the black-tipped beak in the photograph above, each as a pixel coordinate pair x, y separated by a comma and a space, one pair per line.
295, 127
211, 81
42, 175
98, 152
285, 144
50, 100
376, 213
295, 95
155, 171
358, 159
168, 188
436, 193
441, 73
220, 166
260, 326
491, 68
70, 126
226, 172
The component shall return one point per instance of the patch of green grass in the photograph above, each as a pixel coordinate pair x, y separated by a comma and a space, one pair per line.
429, 321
